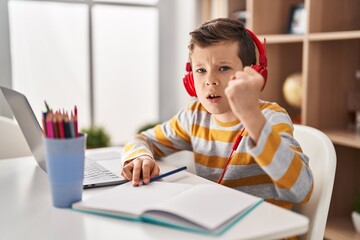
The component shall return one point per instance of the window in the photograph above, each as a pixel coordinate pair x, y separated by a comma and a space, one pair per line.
87, 54
126, 68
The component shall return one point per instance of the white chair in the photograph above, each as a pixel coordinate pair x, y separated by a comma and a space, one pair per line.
12, 140
321, 152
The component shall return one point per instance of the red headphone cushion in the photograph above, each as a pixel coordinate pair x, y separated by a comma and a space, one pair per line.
263, 71
188, 81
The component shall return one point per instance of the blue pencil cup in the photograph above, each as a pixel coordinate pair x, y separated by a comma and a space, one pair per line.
65, 168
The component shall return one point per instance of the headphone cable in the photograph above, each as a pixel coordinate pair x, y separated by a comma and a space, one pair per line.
234, 147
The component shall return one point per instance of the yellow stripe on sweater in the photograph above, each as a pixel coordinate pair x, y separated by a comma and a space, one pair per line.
141, 137
247, 181
280, 203
161, 137
271, 145
282, 127
218, 135
297, 149
210, 161
270, 106
137, 153
179, 131
129, 146
219, 162
291, 175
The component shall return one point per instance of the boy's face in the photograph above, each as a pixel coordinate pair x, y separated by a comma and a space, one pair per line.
213, 67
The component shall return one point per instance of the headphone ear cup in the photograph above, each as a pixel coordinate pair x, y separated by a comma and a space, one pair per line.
263, 71
188, 81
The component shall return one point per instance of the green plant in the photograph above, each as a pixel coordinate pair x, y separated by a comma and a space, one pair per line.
357, 203
146, 127
96, 137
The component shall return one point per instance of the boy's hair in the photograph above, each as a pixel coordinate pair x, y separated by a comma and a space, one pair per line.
225, 29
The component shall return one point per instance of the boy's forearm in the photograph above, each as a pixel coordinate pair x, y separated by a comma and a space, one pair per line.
286, 177
254, 123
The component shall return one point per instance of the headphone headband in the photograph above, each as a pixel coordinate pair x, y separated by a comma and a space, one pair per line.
260, 47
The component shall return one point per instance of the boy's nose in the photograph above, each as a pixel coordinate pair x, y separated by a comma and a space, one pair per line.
212, 81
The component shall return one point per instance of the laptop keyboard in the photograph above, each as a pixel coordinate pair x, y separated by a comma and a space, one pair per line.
94, 171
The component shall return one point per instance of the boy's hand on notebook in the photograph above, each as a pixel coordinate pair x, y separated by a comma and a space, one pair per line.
140, 170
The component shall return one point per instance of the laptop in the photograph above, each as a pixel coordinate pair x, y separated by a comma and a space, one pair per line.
95, 175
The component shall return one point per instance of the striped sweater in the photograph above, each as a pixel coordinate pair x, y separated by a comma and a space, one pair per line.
274, 169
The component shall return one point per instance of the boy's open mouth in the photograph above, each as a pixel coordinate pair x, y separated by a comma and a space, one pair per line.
212, 96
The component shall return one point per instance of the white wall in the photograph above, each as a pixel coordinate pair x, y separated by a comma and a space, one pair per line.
126, 78
177, 19
49, 55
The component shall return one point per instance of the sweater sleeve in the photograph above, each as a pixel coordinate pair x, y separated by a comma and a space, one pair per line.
281, 157
162, 140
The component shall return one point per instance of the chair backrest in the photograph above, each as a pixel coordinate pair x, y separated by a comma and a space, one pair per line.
12, 140
322, 161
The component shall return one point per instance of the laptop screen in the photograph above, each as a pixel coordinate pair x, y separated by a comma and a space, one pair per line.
28, 123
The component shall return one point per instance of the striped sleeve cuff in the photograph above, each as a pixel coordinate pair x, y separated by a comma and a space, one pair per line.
257, 148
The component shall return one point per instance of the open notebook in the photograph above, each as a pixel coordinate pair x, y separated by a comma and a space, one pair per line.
202, 208
95, 175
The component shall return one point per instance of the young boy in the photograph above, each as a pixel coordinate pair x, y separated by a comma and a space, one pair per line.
268, 162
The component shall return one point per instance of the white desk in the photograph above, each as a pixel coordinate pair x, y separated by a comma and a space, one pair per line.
26, 212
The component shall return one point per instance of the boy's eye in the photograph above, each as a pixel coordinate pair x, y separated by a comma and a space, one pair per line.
201, 70
224, 68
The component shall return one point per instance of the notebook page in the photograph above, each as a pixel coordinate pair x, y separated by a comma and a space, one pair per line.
209, 205
128, 200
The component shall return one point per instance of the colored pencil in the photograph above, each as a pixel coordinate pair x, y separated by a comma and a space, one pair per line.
76, 122
49, 125
44, 123
72, 126
167, 174
55, 126
59, 124
47, 106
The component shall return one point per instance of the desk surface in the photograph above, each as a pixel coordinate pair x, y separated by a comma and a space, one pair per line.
26, 212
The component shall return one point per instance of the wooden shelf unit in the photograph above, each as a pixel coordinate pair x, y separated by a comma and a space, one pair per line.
328, 55
344, 138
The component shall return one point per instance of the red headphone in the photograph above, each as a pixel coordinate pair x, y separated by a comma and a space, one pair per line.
261, 67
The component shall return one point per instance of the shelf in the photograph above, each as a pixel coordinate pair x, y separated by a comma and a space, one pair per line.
327, 55
282, 38
341, 229
329, 36
344, 137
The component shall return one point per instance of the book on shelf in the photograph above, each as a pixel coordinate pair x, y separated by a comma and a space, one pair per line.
202, 208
